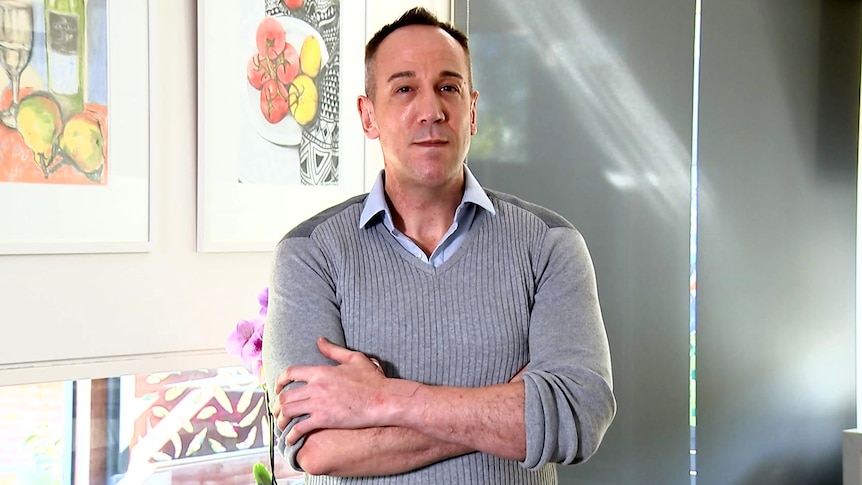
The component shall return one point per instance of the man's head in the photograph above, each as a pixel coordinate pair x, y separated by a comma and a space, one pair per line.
421, 105
414, 16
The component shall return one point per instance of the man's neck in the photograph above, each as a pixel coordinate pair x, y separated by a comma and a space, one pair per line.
424, 214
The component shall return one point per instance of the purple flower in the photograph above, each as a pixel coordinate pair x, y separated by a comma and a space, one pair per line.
246, 342
263, 299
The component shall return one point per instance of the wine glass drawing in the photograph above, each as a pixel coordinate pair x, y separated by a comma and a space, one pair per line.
16, 44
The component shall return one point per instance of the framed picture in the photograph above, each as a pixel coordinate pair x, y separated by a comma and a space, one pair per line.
279, 134
74, 127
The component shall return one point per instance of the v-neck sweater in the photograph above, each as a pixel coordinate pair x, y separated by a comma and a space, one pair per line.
520, 293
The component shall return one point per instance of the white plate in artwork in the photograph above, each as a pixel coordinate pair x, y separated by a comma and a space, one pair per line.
286, 132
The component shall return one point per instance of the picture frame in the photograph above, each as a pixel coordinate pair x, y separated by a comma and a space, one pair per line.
115, 214
252, 188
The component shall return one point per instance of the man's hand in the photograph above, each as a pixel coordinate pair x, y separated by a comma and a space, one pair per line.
346, 395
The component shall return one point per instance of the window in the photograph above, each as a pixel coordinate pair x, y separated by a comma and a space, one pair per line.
34, 444
184, 427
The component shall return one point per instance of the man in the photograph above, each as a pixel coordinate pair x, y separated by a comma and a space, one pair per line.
433, 332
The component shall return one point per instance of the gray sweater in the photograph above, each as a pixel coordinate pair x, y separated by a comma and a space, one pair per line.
519, 292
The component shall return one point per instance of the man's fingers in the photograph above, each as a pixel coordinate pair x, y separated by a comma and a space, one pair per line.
299, 373
314, 391
293, 435
302, 428
332, 351
281, 421
287, 410
282, 381
327, 348
343, 355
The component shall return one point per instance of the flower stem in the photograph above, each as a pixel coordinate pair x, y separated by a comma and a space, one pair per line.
272, 436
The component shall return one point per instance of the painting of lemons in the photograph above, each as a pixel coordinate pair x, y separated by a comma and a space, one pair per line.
54, 106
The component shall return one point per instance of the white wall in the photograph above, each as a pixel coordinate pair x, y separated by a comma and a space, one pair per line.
95, 315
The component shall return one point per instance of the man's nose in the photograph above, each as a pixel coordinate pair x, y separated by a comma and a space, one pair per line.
431, 107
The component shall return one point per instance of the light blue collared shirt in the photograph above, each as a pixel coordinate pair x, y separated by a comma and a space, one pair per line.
474, 196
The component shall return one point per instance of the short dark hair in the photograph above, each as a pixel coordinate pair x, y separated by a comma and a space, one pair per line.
414, 16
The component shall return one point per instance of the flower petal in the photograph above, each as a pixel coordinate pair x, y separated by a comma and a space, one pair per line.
263, 299
257, 326
252, 349
245, 327
235, 343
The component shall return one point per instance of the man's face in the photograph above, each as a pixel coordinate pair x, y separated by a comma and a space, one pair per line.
422, 110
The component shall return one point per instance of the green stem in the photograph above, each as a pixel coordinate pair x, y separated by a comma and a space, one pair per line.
272, 437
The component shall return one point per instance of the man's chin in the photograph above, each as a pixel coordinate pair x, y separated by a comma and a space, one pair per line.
439, 174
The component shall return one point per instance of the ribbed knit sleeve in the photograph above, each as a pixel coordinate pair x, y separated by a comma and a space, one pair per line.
302, 307
569, 390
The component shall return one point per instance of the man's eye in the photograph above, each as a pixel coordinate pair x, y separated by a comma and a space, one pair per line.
402, 89
449, 89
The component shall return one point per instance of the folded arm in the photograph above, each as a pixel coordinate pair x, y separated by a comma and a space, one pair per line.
385, 450
415, 423
372, 452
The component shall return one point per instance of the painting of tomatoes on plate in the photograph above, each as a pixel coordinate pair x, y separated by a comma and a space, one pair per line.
291, 94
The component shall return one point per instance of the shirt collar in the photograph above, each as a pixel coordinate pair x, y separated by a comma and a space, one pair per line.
473, 192
375, 203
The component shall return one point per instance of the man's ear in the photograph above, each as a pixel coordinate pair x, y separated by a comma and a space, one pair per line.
474, 102
366, 114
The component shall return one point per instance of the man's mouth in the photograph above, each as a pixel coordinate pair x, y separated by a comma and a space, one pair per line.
431, 142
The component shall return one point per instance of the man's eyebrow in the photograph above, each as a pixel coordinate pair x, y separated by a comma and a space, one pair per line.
409, 74
400, 75
452, 74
